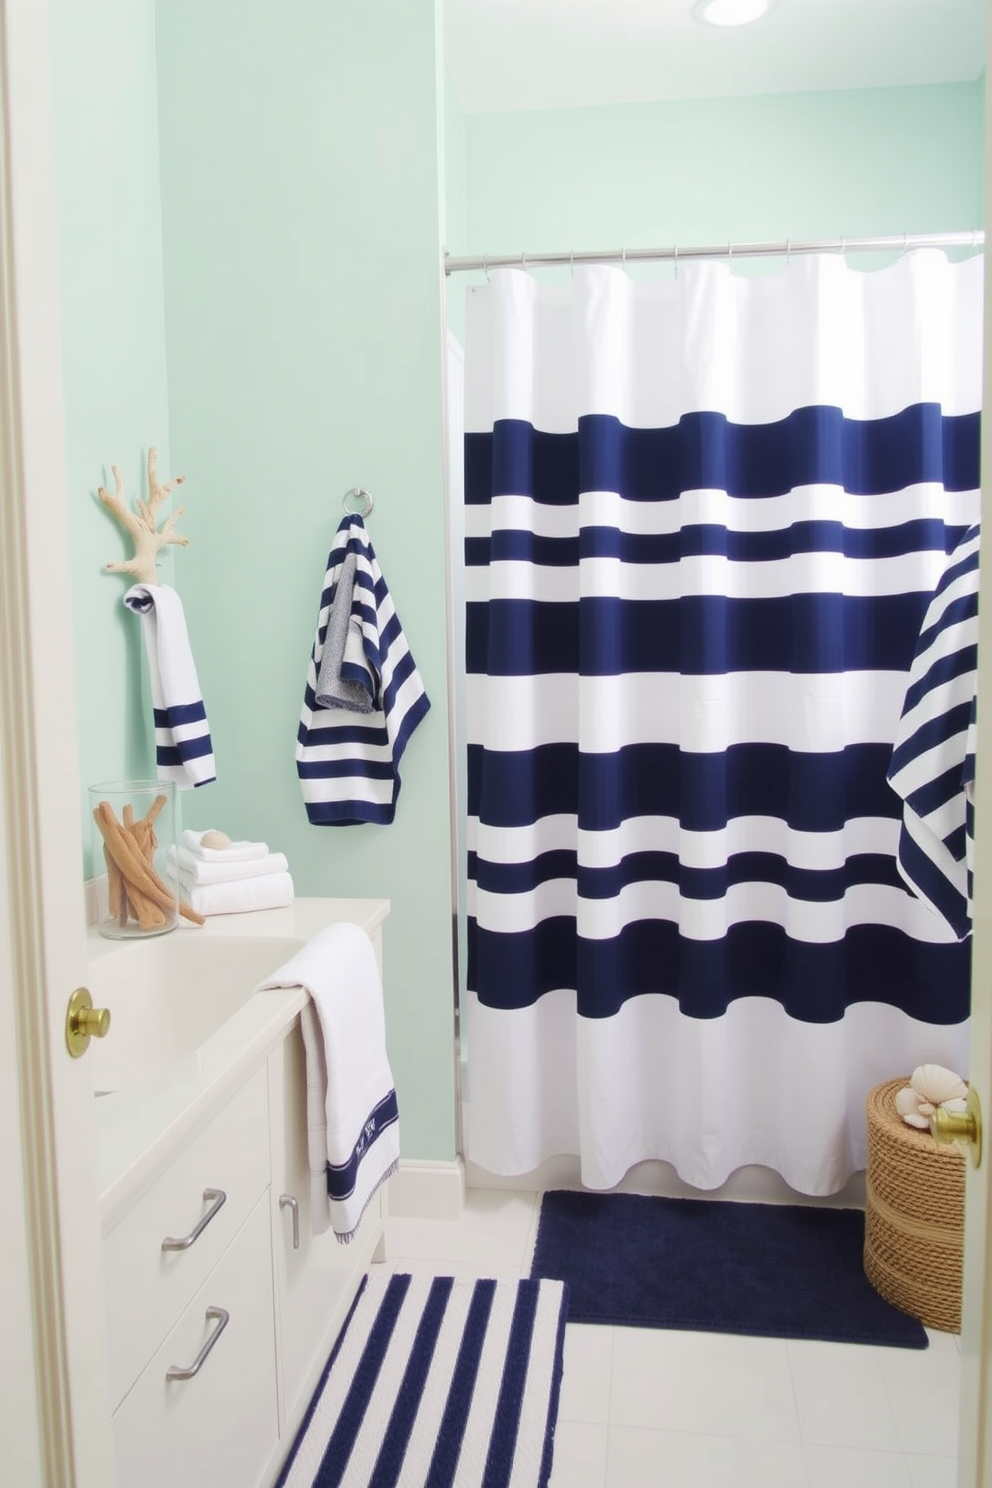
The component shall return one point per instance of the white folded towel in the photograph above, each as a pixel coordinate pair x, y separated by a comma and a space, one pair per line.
199, 870
237, 852
268, 891
183, 749
352, 1117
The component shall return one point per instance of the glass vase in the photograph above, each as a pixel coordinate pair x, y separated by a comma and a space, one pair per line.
134, 839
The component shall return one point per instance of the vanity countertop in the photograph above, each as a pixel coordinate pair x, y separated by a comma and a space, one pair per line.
140, 1130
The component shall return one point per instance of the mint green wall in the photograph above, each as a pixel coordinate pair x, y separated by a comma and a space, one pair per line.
301, 219
889, 160
105, 128
455, 138
455, 224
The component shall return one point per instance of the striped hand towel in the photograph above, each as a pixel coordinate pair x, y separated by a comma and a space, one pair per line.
360, 708
183, 750
933, 762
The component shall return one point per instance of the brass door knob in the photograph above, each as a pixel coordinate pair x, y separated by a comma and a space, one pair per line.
83, 1021
960, 1126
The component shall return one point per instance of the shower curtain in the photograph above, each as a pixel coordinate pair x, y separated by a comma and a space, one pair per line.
703, 520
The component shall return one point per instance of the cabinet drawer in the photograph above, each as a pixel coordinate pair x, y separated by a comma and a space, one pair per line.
220, 1427
148, 1287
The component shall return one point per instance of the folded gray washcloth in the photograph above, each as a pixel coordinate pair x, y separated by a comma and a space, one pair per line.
333, 690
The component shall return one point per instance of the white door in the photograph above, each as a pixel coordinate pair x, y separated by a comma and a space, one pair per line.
55, 1420
975, 1470
976, 1333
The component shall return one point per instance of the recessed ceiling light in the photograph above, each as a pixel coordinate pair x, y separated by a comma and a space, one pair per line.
730, 12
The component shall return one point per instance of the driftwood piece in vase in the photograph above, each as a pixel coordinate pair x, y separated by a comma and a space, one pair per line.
135, 888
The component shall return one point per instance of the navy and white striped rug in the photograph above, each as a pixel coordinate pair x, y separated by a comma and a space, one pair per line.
438, 1383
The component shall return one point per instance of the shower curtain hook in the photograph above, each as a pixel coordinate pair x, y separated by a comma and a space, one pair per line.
788, 252
730, 253
623, 259
676, 253
571, 262
485, 266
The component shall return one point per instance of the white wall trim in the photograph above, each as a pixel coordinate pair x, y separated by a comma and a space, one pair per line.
427, 1190
44, 908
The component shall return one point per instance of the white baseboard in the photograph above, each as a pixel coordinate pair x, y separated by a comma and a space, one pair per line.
427, 1190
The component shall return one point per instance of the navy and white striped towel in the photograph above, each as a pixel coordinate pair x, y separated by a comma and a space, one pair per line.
933, 762
363, 698
183, 750
353, 1135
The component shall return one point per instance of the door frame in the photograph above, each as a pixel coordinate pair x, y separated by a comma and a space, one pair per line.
57, 1418
975, 1429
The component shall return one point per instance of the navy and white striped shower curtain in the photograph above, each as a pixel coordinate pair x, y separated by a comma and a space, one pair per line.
703, 520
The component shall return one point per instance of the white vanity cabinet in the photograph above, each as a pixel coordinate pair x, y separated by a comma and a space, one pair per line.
222, 1305
314, 1274
219, 1425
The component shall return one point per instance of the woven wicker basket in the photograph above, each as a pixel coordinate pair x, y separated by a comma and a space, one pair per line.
914, 1216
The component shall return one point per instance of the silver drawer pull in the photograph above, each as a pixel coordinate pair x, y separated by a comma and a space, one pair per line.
222, 1317
286, 1201
216, 1197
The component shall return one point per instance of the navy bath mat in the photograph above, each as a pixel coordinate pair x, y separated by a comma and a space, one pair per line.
778, 1270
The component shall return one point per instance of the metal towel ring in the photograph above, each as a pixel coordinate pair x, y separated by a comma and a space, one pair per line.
358, 493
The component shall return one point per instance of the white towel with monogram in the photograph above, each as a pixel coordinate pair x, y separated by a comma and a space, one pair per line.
352, 1117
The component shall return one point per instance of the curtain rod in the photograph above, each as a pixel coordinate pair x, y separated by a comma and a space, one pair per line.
900, 242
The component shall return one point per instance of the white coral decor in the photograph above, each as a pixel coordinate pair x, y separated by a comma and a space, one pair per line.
930, 1086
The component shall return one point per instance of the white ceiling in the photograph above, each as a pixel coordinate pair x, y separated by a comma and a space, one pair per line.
537, 54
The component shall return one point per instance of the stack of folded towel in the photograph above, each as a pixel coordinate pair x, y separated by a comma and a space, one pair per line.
218, 876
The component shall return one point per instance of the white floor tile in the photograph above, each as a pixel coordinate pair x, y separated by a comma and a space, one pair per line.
855, 1468
924, 1387
714, 1383
932, 1472
639, 1458
532, 1233
841, 1396
654, 1407
580, 1455
492, 1231
585, 1387
445, 1266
